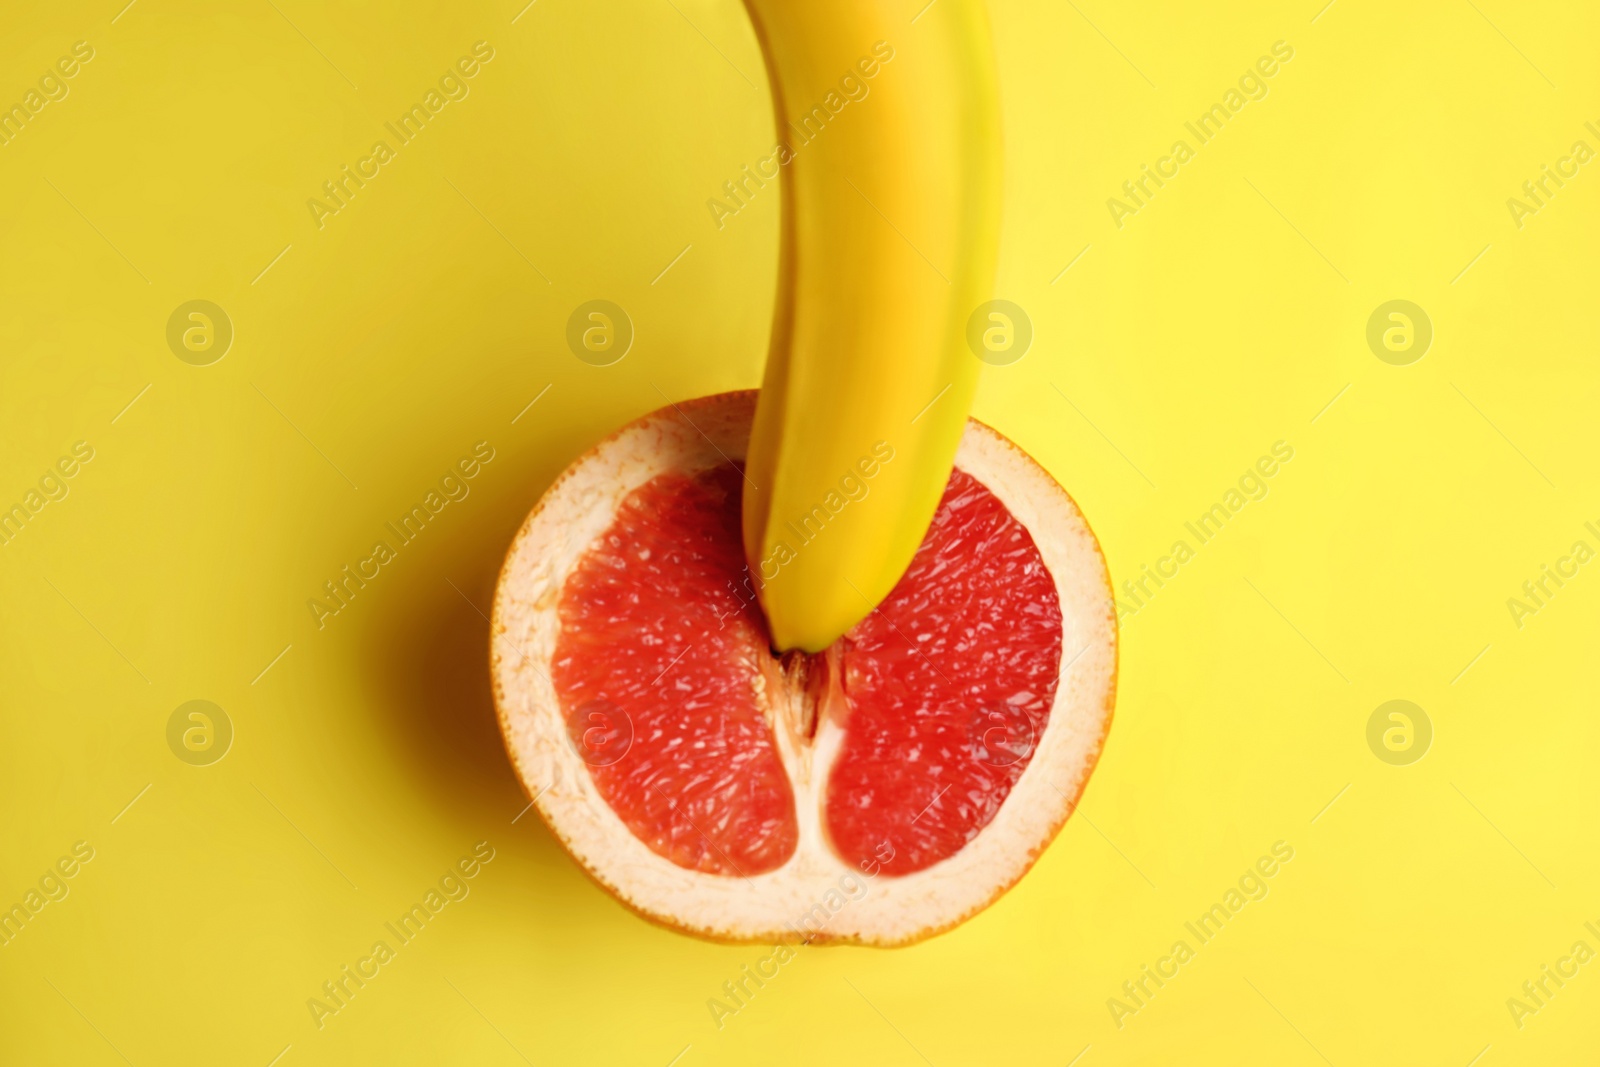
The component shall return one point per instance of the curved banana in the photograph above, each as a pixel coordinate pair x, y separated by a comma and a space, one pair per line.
890, 138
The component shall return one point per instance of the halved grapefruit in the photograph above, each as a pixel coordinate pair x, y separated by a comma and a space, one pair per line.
878, 792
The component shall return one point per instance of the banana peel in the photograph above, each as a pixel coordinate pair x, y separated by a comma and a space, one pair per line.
889, 140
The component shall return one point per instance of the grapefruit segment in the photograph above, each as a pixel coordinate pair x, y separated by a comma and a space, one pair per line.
948, 683
877, 792
658, 678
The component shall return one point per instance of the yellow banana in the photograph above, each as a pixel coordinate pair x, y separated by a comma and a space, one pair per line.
889, 136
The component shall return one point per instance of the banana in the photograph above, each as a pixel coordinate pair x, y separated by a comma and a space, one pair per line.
889, 140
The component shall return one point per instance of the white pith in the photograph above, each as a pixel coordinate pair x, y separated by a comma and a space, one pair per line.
815, 892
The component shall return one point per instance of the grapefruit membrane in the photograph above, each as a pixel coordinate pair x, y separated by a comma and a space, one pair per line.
876, 792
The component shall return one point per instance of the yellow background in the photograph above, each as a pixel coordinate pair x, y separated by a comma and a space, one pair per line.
1225, 316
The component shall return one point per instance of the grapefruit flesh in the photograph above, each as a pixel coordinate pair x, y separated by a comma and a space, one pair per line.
944, 686
947, 683
648, 649
877, 792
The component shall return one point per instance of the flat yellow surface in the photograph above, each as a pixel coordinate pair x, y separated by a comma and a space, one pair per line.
373, 351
